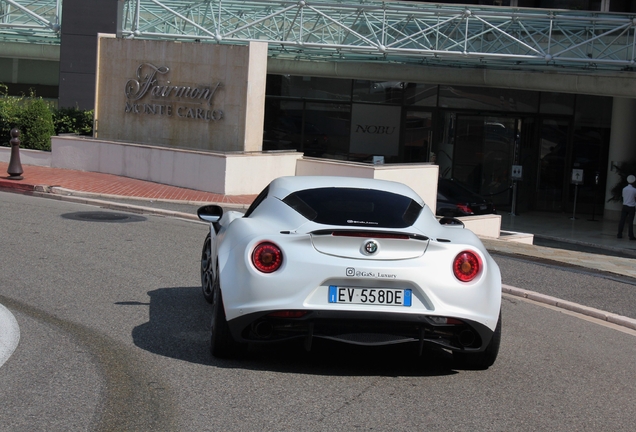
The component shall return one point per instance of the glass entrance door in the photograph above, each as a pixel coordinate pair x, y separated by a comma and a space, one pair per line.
484, 153
552, 156
418, 137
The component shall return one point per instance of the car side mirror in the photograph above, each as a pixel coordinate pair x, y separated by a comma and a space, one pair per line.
451, 221
210, 213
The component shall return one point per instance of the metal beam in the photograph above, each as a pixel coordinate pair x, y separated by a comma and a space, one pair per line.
397, 32
390, 32
30, 51
613, 84
32, 21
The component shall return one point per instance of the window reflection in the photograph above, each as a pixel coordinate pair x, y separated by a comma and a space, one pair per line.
421, 94
330, 125
557, 103
283, 125
552, 151
389, 92
308, 87
477, 98
473, 134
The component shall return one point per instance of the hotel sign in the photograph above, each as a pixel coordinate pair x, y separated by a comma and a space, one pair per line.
189, 95
375, 129
152, 93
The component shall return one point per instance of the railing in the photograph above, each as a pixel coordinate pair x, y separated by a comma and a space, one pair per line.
33, 21
369, 30
404, 32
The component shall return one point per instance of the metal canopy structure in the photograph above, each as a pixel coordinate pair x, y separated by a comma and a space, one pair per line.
366, 30
402, 32
34, 21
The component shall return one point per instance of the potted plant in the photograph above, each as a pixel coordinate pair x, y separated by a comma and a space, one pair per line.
623, 169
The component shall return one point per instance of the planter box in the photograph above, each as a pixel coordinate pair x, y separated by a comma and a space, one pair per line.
422, 178
229, 173
483, 225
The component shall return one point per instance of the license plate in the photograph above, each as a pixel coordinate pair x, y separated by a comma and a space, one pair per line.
370, 296
483, 207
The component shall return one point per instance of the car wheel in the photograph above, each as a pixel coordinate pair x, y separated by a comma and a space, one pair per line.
484, 359
208, 279
222, 344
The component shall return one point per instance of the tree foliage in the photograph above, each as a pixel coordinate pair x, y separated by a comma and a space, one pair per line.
38, 120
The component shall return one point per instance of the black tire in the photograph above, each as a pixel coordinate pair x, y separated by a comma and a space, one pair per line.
484, 359
222, 344
208, 279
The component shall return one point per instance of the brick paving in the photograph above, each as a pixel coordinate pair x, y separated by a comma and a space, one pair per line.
111, 185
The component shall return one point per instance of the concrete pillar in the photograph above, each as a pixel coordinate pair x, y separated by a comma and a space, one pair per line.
622, 148
83, 20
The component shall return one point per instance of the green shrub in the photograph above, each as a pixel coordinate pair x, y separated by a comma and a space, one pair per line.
623, 169
35, 121
9, 109
73, 120
38, 121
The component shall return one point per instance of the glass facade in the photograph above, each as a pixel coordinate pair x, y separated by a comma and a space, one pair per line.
475, 135
489, 99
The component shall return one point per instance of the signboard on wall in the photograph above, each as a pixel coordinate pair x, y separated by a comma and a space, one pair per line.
375, 129
182, 95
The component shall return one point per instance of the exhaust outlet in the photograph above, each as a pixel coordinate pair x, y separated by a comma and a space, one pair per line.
466, 338
263, 329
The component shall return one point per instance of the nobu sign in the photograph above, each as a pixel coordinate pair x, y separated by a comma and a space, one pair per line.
167, 99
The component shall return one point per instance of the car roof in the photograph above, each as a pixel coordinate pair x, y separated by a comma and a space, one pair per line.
283, 186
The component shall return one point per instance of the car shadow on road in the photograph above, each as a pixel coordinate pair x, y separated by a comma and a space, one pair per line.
179, 327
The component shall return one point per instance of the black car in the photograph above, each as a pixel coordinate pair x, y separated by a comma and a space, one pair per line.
454, 199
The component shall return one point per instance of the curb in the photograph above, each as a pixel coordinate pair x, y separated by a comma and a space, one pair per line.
48, 192
62, 194
11, 184
588, 244
117, 206
57, 190
571, 306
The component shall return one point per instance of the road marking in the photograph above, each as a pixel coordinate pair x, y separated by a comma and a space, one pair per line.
9, 334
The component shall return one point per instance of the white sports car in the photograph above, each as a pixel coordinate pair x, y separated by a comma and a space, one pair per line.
353, 260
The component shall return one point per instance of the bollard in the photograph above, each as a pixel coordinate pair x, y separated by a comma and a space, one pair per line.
15, 167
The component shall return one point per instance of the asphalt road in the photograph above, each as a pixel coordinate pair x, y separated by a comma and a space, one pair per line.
114, 336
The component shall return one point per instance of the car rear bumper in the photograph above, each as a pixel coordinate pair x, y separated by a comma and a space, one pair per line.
363, 328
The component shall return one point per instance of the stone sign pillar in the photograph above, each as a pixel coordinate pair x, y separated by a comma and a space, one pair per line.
200, 96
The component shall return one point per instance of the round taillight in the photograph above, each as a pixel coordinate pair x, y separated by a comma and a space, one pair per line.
267, 257
466, 266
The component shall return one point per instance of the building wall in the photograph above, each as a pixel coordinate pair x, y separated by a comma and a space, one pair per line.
83, 20
22, 76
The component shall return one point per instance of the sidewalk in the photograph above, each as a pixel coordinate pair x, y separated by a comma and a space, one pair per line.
569, 239
583, 230
42, 179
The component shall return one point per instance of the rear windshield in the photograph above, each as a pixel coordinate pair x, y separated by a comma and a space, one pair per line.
355, 207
